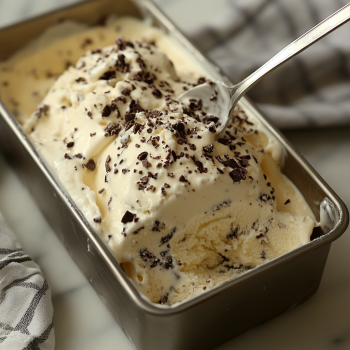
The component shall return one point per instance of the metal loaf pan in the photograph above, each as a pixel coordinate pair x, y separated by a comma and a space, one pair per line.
217, 315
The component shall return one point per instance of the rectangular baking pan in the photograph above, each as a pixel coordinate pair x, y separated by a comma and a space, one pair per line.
217, 315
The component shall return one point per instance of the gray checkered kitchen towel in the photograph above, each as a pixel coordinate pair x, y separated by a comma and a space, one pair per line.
311, 90
26, 314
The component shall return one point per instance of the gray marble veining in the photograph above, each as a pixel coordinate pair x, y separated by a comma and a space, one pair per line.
81, 319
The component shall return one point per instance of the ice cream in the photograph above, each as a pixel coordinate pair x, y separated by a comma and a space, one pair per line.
182, 213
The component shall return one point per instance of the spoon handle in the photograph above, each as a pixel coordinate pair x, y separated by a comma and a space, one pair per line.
314, 34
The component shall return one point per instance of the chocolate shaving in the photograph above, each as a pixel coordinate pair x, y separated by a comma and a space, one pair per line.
90, 165
142, 156
146, 163
108, 75
209, 148
238, 174
112, 129
128, 217
180, 128
156, 93
106, 111
168, 237
81, 80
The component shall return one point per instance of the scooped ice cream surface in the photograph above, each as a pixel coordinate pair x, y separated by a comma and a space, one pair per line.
182, 212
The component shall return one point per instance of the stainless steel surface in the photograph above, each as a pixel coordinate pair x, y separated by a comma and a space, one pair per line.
226, 97
215, 316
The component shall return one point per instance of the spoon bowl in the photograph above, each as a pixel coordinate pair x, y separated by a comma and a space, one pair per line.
219, 99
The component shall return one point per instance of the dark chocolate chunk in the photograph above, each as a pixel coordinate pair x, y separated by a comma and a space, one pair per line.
119, 98
137, 128
201, 80
138, 230
168, 262
264, 197
287, 201
112, 129
180, 128
233, 233
101, 190
129, 117
126, 92
163, 299
156, 93
128, 217
81, 80
108, 75
149, 257
135, 107
70, 144
174, 155
224, 141
90, 165
146, 163
97, 219
209, 148
183, 179
142, 156
168, 237
106, 111
238, 174
210, 118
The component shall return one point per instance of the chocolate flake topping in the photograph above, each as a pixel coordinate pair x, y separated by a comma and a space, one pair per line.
146, 163
180, 128
168, 237
233, 233
209, 148
128, 217
106, 111
163, 299
108, 75
224, 141
183, 179
42, 109
142, 156
112, 129
156, 93
90, 165
264, 197
81, 80
287, 201
148, 257
70, 144
238, 174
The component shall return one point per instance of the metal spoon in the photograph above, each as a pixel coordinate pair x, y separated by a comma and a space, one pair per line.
219, 99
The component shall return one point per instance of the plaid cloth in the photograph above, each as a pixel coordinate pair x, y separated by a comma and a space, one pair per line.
26, 314
312, 89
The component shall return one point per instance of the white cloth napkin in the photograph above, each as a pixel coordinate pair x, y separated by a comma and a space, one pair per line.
26, 313
311, 90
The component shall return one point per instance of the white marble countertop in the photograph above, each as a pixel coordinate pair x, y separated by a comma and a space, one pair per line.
82, 320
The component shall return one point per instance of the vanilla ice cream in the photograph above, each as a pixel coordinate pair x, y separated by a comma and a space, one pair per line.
182, 213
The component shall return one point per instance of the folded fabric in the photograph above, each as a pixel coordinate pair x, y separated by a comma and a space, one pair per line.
313, 89
26, 314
